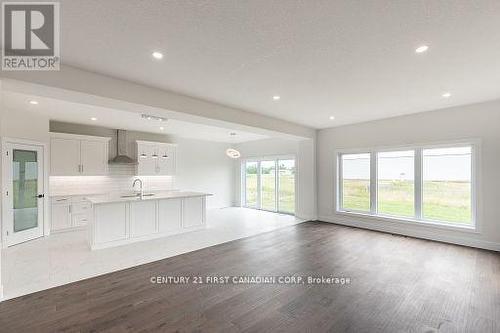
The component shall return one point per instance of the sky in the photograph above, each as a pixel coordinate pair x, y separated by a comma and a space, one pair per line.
448, 164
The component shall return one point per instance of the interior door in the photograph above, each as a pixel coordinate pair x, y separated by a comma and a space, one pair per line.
23, 192
94, 159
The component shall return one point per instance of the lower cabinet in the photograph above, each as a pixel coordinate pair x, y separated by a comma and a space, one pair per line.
61, 217
69, 212
119, 223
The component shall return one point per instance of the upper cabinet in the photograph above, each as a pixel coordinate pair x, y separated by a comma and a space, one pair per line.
78, 155
156, 159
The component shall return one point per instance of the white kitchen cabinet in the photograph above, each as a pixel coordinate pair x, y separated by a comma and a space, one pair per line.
69, 212
78, 155
60, 217
94, 157
117, 220
169, 215
156, 158
146, 165
64, 157
142, 218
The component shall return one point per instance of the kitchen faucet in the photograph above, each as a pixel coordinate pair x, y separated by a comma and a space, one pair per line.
140, 182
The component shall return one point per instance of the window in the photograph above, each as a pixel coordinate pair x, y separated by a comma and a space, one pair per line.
447, 180
269, 184
396, 183
356, 182
421, 184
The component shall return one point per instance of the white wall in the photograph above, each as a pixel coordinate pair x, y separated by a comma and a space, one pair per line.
480, 121
304, 152
203, 166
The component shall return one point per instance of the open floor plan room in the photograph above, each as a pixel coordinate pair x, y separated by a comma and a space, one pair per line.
250, 166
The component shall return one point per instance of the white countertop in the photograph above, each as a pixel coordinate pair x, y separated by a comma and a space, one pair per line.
108, 198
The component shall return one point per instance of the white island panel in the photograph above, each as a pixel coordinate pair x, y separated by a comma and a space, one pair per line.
194, 212
170, 215
126, 219
111, 222
142, 218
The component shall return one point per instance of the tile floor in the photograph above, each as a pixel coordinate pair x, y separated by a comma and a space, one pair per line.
65, 257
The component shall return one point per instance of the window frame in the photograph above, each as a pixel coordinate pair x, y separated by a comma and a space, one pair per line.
418, 219
258, 160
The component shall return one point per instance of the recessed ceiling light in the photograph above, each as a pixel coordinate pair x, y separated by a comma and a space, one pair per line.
157, 55
232, 133
276, 97
421, 49
332, 117
34, 102
93, 118
162, 128
446, 95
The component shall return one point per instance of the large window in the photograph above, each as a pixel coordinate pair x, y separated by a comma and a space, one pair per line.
269, 184
396, 183
356, 182
427, 184
447, 180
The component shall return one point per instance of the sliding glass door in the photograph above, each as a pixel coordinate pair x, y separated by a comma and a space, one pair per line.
269, 184
251, 184
286, 186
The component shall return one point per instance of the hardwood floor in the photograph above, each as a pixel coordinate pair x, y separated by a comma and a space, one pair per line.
397, 284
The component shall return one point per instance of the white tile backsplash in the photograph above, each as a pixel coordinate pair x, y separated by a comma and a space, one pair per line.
120, 179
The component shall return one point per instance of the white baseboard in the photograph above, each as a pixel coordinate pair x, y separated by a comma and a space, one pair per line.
393, 229
1, 293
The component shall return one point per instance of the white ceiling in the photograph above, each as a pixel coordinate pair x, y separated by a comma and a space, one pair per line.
65, 111
351, 59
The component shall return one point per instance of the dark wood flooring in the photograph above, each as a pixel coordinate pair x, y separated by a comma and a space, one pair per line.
398, 284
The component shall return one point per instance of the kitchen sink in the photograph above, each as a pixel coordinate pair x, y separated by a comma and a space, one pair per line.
137, 195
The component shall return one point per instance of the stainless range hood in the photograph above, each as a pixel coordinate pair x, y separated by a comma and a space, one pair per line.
122, 155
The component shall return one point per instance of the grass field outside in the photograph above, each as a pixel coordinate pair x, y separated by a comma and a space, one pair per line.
446, 201
286, 194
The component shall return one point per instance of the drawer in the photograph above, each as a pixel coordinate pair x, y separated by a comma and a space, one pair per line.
61, 200
81, 208
78, 220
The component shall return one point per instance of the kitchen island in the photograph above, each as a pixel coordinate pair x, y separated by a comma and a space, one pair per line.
128, 218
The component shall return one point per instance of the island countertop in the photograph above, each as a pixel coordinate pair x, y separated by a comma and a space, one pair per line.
109, 198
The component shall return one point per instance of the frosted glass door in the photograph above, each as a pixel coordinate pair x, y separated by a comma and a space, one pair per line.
25, 189
24, 214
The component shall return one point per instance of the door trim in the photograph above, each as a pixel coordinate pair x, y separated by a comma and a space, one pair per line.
5, 141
